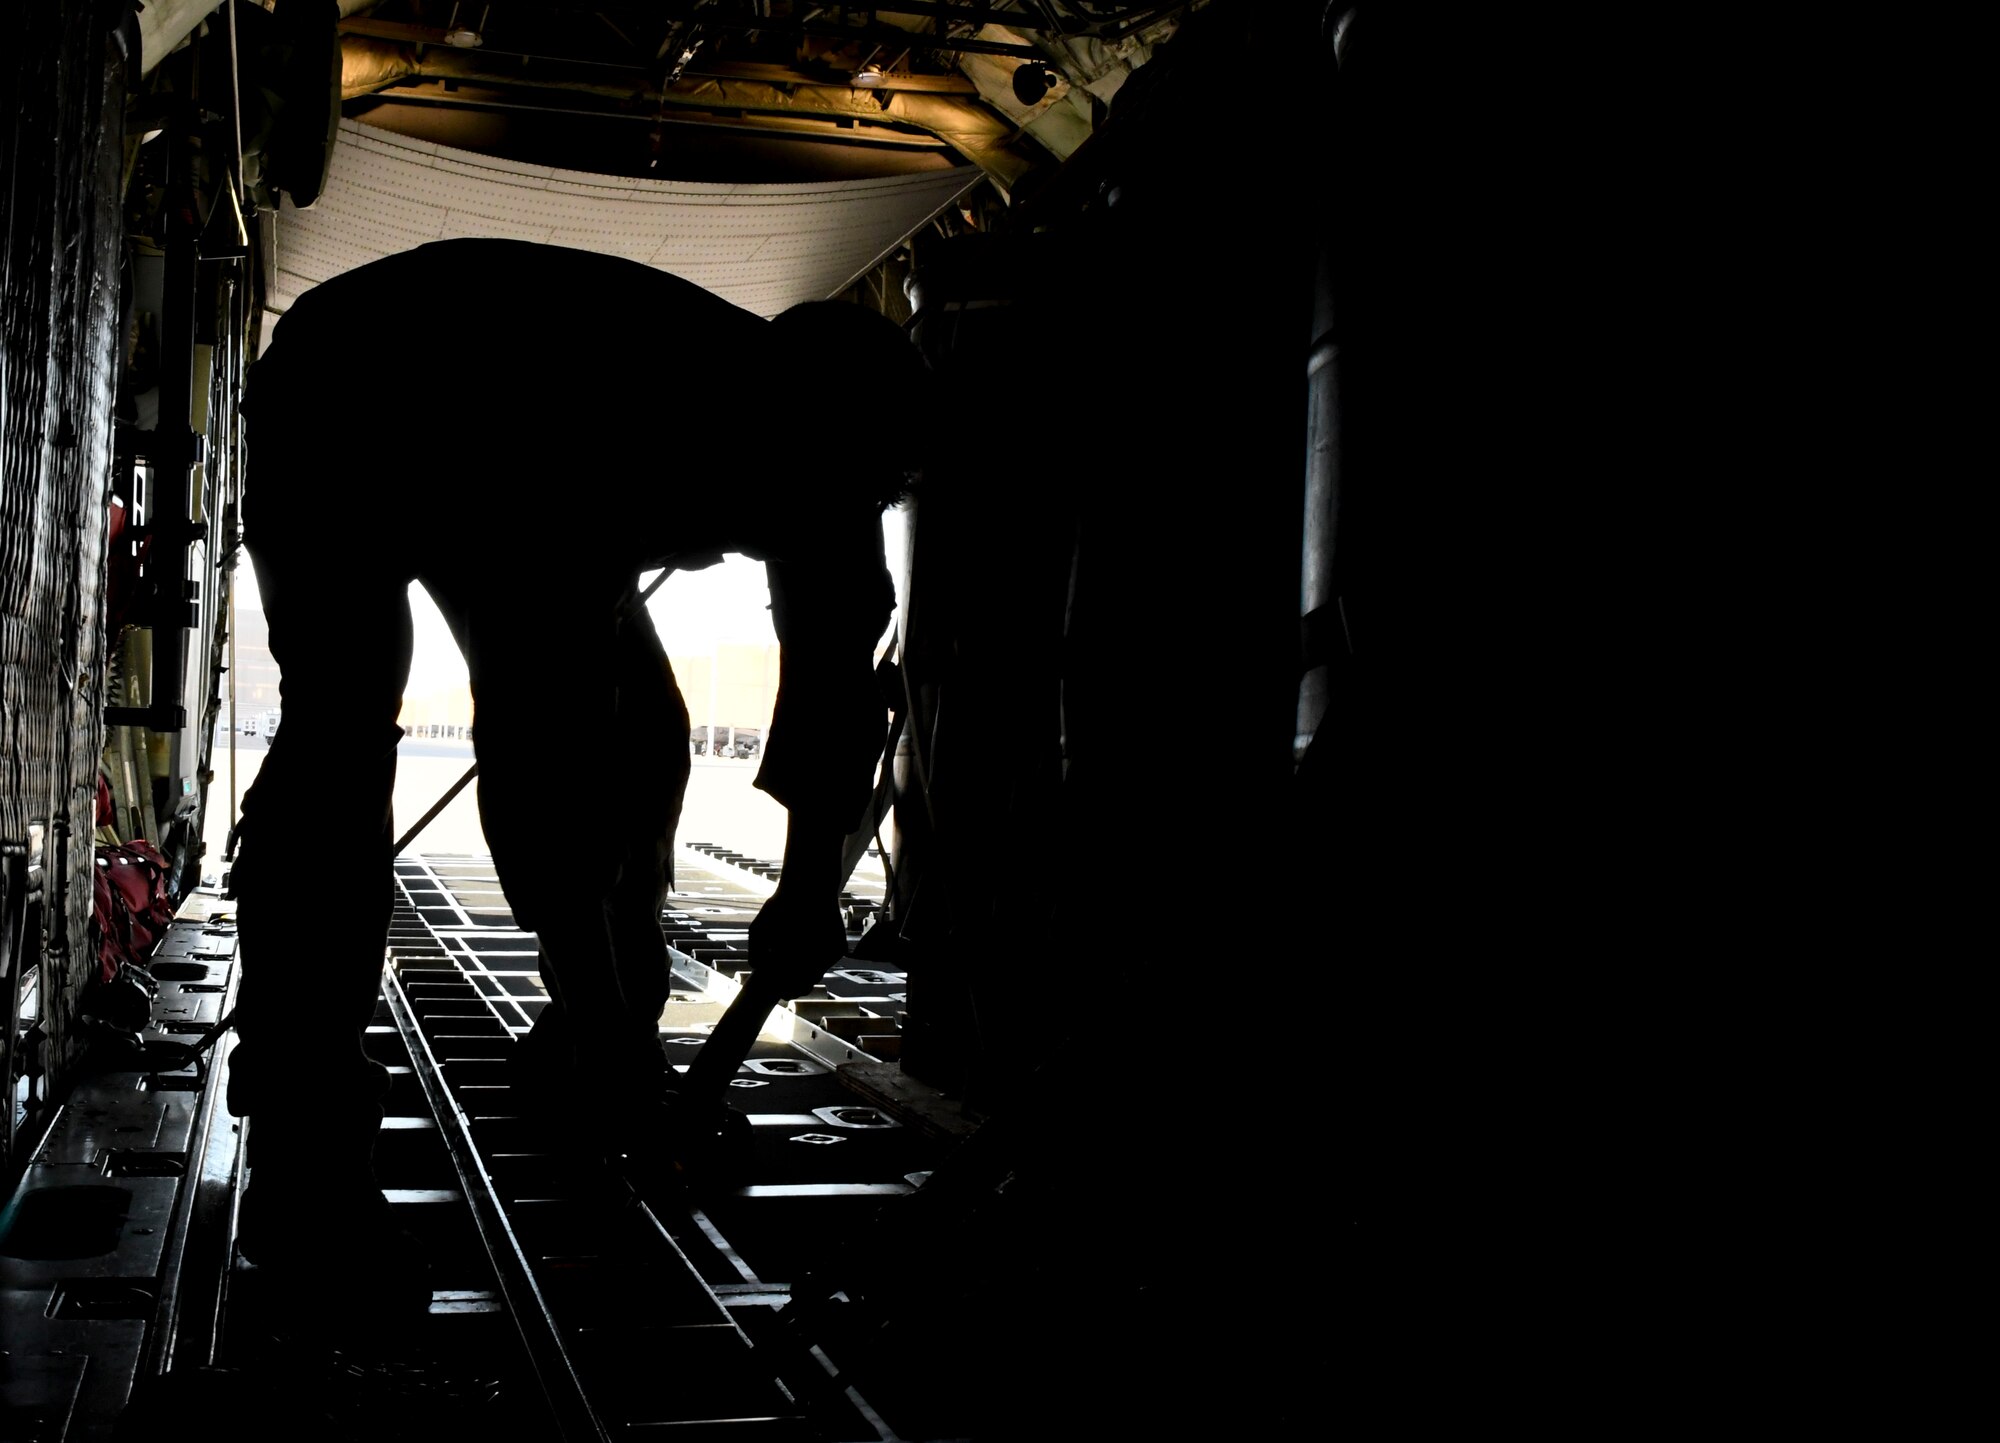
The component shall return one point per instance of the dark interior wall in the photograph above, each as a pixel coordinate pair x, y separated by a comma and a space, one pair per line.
1288, 1087
1104, 633
1176, 886
1105, 607
60, 126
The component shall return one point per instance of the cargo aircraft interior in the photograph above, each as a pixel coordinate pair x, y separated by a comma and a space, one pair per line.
1082, 1135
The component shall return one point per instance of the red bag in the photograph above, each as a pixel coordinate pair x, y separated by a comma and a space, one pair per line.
133, 904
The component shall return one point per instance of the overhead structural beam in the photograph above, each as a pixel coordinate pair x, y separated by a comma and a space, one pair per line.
982, 136
1032, 19
787, 75
953, 84
885, 35
982, 15
433, 95
891, 35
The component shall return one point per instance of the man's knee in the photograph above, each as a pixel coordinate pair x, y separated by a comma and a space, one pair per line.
281, 1075
550, 855
552, 894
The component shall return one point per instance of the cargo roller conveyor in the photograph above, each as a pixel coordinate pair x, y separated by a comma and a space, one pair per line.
646, 1298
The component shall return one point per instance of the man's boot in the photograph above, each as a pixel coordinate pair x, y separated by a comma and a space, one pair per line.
332, 1268
610, 1092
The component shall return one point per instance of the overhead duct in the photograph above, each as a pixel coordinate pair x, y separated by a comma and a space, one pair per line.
367, 66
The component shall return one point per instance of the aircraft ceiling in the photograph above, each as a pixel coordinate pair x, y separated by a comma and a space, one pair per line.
770, 151
747, 90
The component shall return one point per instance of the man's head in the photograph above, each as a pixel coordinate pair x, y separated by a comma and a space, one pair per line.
864, 401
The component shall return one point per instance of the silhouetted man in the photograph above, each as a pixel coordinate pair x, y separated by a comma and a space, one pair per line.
524, 429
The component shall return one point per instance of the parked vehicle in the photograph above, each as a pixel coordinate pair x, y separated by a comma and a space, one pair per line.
737, 742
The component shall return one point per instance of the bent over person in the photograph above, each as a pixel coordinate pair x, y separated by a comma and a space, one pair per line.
568, 424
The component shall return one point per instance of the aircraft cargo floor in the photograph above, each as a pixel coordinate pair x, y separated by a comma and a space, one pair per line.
574, 1296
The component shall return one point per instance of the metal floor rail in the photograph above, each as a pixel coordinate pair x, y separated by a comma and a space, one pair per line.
646, 1300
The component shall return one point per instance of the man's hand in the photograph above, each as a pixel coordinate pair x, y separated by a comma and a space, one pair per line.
794, 940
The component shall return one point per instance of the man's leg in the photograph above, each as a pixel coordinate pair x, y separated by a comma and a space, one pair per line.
582, 834
652, 731
552, 798
312, 881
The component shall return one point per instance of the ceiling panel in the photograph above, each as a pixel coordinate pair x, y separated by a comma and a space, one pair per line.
764, 247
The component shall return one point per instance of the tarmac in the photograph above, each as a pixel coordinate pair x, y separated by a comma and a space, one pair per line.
722, 805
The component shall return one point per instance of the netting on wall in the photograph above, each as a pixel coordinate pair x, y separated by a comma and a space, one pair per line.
61, 122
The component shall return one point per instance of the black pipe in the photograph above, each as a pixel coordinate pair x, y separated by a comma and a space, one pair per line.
176, 448
1319, 587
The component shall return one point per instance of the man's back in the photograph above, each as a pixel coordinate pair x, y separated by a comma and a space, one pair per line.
509, 294
571, 396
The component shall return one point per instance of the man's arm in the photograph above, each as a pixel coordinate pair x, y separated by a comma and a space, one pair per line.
826, 736
799, 932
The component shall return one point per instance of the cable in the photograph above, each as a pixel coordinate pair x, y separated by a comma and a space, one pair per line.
182, 1054
629, 609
